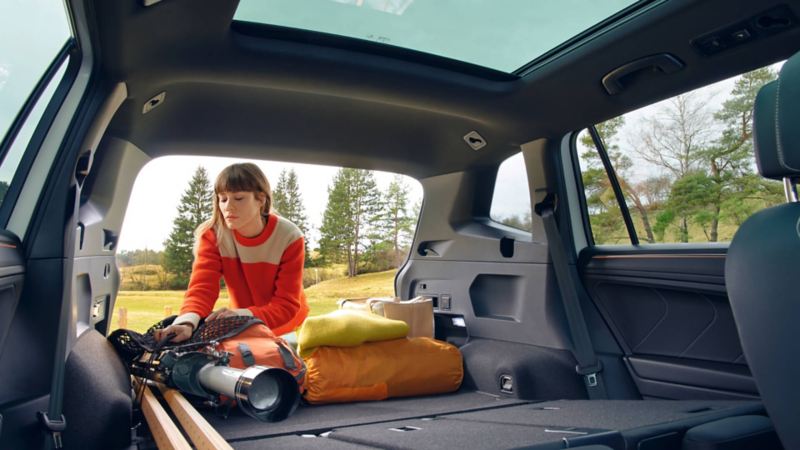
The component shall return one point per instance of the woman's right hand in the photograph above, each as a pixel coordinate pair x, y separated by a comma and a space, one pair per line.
182, 331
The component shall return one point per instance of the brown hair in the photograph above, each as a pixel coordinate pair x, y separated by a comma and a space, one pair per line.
241, 177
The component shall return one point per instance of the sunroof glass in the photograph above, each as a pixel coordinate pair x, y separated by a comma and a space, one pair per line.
500, 34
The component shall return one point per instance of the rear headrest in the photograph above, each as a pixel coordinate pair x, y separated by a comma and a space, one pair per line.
764, 142
776, 131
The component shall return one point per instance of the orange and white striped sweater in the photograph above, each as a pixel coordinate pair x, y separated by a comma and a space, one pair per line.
264, 275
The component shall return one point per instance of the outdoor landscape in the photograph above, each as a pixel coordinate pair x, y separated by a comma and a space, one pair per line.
685, 166
365, 234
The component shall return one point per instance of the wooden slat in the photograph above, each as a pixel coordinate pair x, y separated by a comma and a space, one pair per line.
202, 434
164, 431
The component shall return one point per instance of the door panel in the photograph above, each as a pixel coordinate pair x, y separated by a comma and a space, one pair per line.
669, 311
498, 284
12, 270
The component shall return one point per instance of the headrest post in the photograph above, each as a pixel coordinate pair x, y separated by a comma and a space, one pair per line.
790, 188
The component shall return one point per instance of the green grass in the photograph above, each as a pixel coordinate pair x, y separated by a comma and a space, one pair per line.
148, 307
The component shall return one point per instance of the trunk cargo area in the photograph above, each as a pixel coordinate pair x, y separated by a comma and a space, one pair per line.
471, 419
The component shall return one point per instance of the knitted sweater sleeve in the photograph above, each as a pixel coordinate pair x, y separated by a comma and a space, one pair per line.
203, 288
281, 312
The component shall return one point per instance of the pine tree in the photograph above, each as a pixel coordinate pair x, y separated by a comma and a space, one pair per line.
287, 202
730, 159
399, 220
194, 209
353, 204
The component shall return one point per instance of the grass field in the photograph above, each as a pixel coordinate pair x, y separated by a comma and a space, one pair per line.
144, 308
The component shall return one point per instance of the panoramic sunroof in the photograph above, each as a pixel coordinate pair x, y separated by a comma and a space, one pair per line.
500, 34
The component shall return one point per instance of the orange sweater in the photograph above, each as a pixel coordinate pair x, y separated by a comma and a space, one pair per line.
264, 275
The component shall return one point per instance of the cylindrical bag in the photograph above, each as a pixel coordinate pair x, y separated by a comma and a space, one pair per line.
379, 370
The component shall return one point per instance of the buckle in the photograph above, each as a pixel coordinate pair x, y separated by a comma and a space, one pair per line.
590, 373
54, 426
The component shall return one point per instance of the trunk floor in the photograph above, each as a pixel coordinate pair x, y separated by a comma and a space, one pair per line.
308, 419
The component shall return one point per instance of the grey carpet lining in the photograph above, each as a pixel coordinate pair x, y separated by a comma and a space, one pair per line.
499, 426
607, 414
317, 419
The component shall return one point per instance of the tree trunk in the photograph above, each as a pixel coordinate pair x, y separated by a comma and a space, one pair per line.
396, 231
715, 175
350, 262
637, 203
646, 224
684, 230
715, 224
355, 260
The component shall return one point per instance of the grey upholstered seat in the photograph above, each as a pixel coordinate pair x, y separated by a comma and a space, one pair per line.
762, 269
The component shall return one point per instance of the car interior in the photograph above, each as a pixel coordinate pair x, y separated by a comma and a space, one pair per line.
565, 342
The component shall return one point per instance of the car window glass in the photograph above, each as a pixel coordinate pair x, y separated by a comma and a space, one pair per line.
685, 166
17, 149
511, 203
40, 30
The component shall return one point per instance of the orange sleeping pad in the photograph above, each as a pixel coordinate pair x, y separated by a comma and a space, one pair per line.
379, 370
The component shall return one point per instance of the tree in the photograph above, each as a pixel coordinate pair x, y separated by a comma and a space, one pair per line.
676, 138
729, 159
194, 209
353, 204
400, 221
287, 202
608, 219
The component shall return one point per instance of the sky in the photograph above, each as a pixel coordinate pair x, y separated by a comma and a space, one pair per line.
31, 34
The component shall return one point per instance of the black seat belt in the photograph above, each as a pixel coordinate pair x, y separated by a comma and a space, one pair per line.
589, 367
52, 420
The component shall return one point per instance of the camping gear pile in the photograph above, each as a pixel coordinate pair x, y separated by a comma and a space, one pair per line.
373, 349
231, 360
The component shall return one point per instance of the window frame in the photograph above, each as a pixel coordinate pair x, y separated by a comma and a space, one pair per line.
518, 233
608, 167
70, 51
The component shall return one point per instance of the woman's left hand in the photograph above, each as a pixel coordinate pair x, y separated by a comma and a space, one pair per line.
221, 314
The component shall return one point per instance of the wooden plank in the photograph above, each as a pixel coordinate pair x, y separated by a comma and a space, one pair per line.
164, 431
202, 434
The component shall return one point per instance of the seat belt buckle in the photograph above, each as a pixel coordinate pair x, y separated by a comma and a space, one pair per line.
590, 373
55, 427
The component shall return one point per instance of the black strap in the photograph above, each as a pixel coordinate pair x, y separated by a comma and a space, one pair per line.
589, 367
52, 420
247, 355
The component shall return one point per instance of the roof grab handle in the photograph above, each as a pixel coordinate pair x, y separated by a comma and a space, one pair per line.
623, 76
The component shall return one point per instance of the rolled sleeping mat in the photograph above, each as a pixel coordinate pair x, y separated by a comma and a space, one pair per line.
380, 370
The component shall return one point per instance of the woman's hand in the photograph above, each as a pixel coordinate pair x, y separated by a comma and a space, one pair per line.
221, 314
182, 331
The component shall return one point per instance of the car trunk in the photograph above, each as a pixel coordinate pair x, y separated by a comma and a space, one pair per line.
473, 419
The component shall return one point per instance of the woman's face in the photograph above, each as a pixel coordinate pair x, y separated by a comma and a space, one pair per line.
242, 211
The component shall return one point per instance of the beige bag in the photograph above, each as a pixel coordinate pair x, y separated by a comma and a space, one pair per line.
417, 312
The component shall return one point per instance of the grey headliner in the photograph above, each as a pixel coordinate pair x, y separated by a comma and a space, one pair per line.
231, 94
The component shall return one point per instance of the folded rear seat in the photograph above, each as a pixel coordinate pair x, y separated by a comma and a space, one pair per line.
618, 424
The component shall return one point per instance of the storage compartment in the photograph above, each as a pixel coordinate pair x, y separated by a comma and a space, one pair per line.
497, 296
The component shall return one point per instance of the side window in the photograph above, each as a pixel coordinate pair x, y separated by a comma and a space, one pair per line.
511, 203
31, 67
685, 167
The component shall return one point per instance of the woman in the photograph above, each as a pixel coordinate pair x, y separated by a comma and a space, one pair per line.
259, 254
